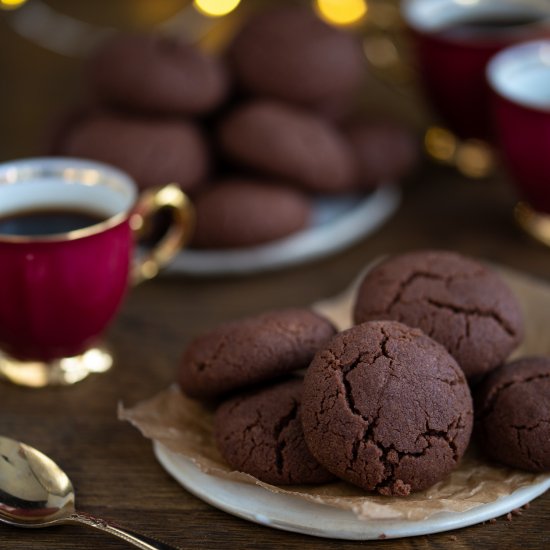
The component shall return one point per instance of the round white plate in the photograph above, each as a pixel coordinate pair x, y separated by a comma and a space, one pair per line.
337, 223
259, 505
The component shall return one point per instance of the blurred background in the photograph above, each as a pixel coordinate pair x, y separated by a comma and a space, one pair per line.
44, 45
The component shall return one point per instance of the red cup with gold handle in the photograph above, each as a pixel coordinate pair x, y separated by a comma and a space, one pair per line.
67, 239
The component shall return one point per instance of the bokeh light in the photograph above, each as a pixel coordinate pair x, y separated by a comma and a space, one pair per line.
11, 4
440, 144
532, 222
341, 12
216, 8
472, 157
475, 159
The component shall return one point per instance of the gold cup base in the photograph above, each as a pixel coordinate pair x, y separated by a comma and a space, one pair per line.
535, 224
58, 372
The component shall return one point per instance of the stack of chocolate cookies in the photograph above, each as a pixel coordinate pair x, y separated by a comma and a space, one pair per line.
250, 136
387, 404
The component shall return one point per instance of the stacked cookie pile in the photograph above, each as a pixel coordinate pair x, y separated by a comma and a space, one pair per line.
387, 404
250, 136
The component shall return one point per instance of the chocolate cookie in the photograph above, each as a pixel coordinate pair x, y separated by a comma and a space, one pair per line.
457, 301
290, 54
384, 151
386, 408
513, 414
153, 151
158, 74
260, 433
252, 350
241, 212
289, 143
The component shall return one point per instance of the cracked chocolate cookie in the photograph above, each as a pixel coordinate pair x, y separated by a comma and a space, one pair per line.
386, 408
153, 151
260, 433
290, 54
158, 74
513, 414
457, 301
241, 212
288, 143
252, 350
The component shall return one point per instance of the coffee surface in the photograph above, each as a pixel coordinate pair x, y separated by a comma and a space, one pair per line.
41, 222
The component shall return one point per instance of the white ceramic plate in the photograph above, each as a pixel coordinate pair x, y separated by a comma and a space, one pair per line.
259, 505
338, 222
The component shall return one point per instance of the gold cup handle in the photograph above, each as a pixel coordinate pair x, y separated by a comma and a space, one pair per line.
178, 234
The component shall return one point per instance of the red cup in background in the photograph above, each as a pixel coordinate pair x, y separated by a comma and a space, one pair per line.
520, 79
454, 40
60, 290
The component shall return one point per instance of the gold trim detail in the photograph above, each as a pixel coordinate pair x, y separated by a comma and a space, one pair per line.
58, 372
178, 234
69, 171
100, 227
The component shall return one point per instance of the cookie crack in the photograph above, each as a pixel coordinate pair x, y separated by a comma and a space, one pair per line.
444, 435
345, 372
488, 410
388, 485
214, 357
531, 428
368, 435
355, 450
450, 383
348, 395
408, 282
391, 458
371, 423
469, 312
384, 347
281, 425
526, 449
247, 431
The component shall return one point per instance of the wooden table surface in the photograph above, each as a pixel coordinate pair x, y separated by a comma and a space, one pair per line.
112, 466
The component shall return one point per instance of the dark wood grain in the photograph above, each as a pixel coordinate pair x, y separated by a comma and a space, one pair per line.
113, 468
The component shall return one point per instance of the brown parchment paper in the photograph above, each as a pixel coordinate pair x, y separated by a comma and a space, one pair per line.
184, 426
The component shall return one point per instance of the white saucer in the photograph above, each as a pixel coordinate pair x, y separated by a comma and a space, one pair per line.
338, 222
288, 513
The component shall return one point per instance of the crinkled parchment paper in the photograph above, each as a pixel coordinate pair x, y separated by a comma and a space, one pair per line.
185, 426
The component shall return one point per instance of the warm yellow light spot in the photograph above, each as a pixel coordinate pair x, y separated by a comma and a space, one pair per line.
475, 159
341, 12
440, 144
534, 223
216, 8
11, 4
170, 195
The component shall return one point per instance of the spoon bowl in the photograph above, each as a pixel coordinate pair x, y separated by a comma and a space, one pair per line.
36, 492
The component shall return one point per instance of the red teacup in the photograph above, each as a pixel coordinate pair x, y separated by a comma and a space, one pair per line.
455, 39
61, 289
520, 79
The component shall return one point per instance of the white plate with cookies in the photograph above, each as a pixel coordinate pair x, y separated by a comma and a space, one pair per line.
281, 511
338, 222
477, 490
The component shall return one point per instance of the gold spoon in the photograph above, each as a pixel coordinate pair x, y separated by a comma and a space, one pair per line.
35, 492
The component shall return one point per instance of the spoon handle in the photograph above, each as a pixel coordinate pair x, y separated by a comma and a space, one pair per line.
137, 539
